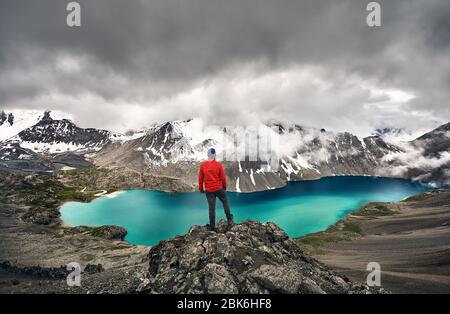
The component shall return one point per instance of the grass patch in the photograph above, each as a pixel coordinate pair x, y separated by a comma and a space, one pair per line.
320, 239
119, 247
352, 227
343, 231
120, 257
72, 194
424, 196
87, 257
416, 198
311, 240
375, 209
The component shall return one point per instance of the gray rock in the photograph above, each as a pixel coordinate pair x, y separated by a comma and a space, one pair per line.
92, 268
217, 279
109, 232
249, 257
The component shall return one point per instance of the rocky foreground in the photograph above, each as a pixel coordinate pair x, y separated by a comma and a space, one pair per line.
249, 257
410, 239
36, 246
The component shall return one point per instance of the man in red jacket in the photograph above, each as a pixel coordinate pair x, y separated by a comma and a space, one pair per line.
212, 179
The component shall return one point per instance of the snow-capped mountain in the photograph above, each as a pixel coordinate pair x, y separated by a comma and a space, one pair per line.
12, 122
435, 142
56, 136
426, 158
174, 149
302, 153
36, 141
397, 135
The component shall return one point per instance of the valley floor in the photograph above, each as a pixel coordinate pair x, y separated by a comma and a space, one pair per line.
31, 257
409, 239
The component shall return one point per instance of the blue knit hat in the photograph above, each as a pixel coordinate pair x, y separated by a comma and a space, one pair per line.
211, 153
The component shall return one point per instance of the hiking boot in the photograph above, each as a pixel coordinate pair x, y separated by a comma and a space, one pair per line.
210, 228
230, 223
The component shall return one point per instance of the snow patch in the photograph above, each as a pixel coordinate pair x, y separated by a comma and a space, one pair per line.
251, 177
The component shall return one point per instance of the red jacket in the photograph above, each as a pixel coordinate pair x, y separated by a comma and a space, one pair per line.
212, 176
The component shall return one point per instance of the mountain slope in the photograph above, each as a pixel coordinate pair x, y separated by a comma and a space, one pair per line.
328, 153
433, 165
256, 158
176, 149
435, 142
13, 156
394, 135
39, 142
54, 136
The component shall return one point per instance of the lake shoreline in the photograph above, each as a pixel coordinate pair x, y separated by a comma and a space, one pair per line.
406, 238
35, 245
27, 244
328, 199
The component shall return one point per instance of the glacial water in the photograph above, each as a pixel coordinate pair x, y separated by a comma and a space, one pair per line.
299, 208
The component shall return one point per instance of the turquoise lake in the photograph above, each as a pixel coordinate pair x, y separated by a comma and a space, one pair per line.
299, 208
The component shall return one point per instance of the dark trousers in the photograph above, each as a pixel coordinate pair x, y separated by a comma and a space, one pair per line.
222, 196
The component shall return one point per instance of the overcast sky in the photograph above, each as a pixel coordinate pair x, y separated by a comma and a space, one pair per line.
317, 63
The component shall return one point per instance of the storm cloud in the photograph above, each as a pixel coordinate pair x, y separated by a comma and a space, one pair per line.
316, 63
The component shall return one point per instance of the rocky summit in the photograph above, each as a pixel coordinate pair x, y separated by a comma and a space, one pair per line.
249, 257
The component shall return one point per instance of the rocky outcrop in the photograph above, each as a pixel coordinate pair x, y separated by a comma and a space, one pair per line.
247, 258
111, 232
36, 271
6, 118
106, 232
93, 269
41, 216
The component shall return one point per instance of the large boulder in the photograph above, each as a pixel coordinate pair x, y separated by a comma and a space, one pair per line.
249, 257
106, 232
110, 232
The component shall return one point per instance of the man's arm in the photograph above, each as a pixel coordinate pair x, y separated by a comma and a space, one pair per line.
200, 179
223, 177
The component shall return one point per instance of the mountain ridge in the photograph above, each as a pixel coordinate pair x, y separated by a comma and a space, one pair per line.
176, 148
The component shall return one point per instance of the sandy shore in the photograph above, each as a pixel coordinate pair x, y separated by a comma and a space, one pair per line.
409, 239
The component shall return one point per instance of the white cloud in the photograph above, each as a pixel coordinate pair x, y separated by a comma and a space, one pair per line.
413, 157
